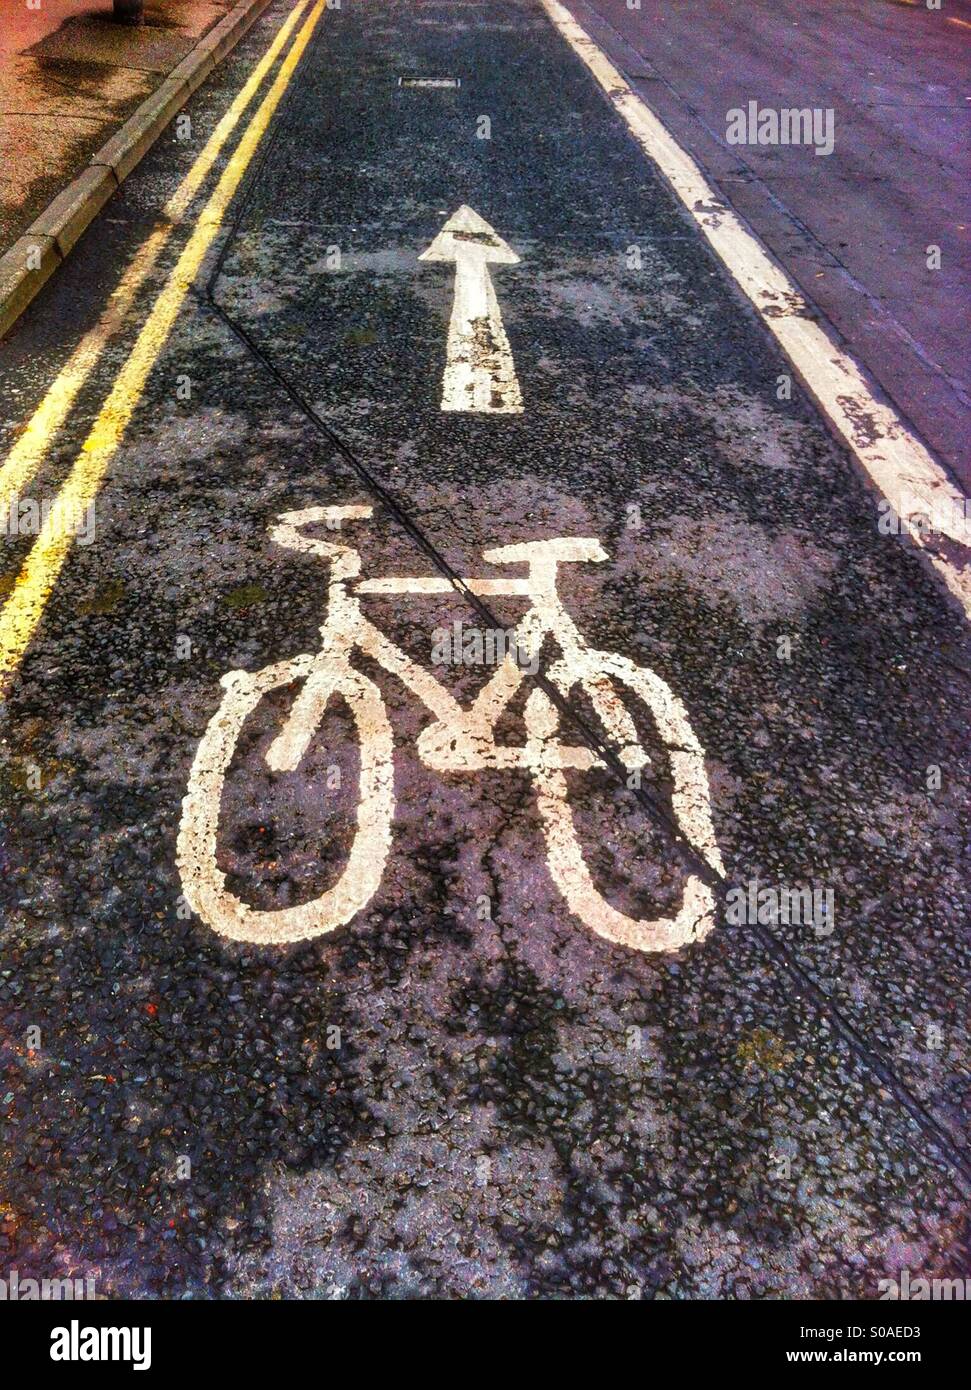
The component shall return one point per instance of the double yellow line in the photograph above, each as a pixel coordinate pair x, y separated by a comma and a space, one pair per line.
34, 584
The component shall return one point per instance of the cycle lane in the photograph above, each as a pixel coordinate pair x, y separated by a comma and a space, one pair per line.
598, 1118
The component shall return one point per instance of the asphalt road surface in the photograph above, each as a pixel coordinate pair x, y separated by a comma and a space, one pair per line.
480, 1081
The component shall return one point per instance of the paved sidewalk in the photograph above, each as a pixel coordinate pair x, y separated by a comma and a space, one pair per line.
69, 77
854, 228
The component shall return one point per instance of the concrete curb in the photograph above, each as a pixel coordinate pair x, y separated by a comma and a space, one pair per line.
34, 257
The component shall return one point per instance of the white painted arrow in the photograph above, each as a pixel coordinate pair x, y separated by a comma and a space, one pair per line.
479, 370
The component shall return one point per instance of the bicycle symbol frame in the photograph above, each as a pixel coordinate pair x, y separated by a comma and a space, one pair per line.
457, 740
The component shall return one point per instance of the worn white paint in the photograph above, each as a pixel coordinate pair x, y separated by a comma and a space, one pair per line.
893, 458
480, 374
456, 740
435, 83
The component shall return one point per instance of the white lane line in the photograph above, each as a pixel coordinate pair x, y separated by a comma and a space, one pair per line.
479, 371
896, 462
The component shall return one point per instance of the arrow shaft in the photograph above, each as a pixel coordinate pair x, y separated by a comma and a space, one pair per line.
479, 372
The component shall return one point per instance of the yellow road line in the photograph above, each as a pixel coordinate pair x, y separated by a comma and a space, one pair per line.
35, 582
28, 452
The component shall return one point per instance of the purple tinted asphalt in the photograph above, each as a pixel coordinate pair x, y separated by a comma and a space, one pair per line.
853, 227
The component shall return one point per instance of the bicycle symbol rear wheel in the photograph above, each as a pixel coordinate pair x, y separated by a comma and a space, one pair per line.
204, 883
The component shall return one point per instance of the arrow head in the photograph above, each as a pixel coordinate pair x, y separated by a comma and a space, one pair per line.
465, 235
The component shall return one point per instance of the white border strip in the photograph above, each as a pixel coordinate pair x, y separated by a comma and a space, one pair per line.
892, 457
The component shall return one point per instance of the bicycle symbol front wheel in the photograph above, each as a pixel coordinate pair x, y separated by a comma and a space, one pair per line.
204, 883
596, 674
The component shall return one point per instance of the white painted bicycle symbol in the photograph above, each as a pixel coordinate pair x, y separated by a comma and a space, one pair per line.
456, 740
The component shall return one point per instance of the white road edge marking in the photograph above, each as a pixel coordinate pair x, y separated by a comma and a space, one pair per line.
479, 372
893, 458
